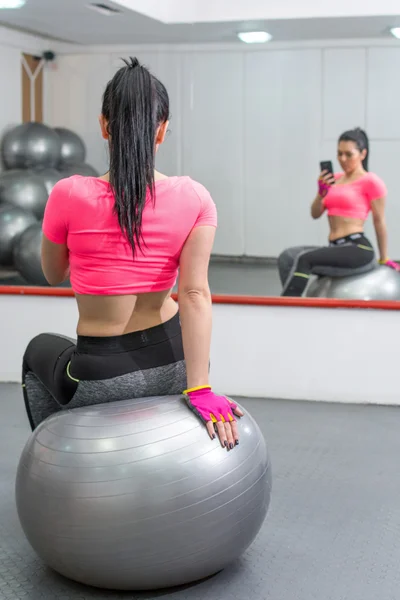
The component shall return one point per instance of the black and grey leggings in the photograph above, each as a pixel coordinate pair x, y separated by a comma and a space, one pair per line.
348, 252
59, 372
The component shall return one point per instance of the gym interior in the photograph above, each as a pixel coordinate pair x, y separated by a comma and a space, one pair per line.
96, 505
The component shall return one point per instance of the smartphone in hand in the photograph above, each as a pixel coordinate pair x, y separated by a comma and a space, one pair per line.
326, 165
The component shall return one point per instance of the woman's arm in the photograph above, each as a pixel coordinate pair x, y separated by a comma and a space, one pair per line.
317, 207
194, 299
325, 181
378, 214
55, 255
55, 262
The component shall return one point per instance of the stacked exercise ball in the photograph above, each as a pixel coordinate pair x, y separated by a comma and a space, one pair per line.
34, 158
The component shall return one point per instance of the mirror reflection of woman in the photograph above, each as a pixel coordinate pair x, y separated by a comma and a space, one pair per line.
347, 197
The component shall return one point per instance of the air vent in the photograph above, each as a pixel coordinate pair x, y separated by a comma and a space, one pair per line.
104, 9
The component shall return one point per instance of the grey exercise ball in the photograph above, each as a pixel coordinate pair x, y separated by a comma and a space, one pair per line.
73, 151
27, 255
24, 189
13, 221
30, 145
382, 283
83, 169
134, 495
49, 177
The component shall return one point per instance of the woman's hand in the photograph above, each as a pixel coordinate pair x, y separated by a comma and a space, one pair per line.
390, 263
325, 181
217, 412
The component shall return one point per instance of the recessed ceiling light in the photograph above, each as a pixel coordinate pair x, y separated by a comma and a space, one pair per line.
103, 9
395, 31
12, 3
254, 37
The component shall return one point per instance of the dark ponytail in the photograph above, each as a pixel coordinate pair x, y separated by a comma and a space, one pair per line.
135, 103
360, 138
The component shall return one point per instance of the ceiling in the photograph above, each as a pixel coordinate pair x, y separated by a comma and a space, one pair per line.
72, 21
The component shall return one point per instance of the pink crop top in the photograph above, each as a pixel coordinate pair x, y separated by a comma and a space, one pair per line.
353, 200
79, 213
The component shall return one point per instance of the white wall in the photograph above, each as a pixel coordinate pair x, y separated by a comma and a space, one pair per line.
252, 125
262, 355
12, 44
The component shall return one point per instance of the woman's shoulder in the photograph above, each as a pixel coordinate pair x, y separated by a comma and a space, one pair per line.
373, 180
78, 187
72, 183
371, 176
186, 182
189, 188
374, 186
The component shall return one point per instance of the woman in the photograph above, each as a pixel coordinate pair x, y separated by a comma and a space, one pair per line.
348, 198
121, 238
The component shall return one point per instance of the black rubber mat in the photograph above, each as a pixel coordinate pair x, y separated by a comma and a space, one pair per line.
332, 533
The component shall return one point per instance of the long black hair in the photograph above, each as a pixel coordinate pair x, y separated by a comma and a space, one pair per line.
360, 138
135, 103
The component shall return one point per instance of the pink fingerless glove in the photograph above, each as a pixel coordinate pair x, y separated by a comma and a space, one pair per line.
323, 188
391, 264
208, 406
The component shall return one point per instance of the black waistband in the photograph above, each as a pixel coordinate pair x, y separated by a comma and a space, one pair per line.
353, 238
129, 341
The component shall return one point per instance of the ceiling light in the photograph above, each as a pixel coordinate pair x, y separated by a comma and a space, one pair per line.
254, 37
12, 3
395, 31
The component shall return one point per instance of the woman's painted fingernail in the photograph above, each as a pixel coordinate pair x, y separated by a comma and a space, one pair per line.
236, 442
226, 443
231, 446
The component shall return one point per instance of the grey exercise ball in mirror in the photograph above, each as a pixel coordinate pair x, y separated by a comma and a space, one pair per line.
24, 189
134, 495
30, 145
27, 255
13, 222
382, 283
73, 149
49, 177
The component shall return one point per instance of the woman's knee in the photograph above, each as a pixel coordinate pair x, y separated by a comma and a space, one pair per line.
303, 264
46, 347
34, 346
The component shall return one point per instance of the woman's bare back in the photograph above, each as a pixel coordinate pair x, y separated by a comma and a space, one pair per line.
117, 315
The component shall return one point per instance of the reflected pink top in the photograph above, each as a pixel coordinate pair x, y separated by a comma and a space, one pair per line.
353, 200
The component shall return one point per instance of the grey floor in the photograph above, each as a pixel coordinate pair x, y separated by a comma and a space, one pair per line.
226, 277
333, 531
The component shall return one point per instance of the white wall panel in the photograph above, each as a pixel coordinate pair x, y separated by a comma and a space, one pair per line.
272, 332
385, 162
282, 134
75, 93
11, 91
212, 138
383, 93
344, 74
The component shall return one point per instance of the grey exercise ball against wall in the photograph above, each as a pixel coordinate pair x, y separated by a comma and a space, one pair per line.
30, 145
25, 189
13, 222
73, 151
